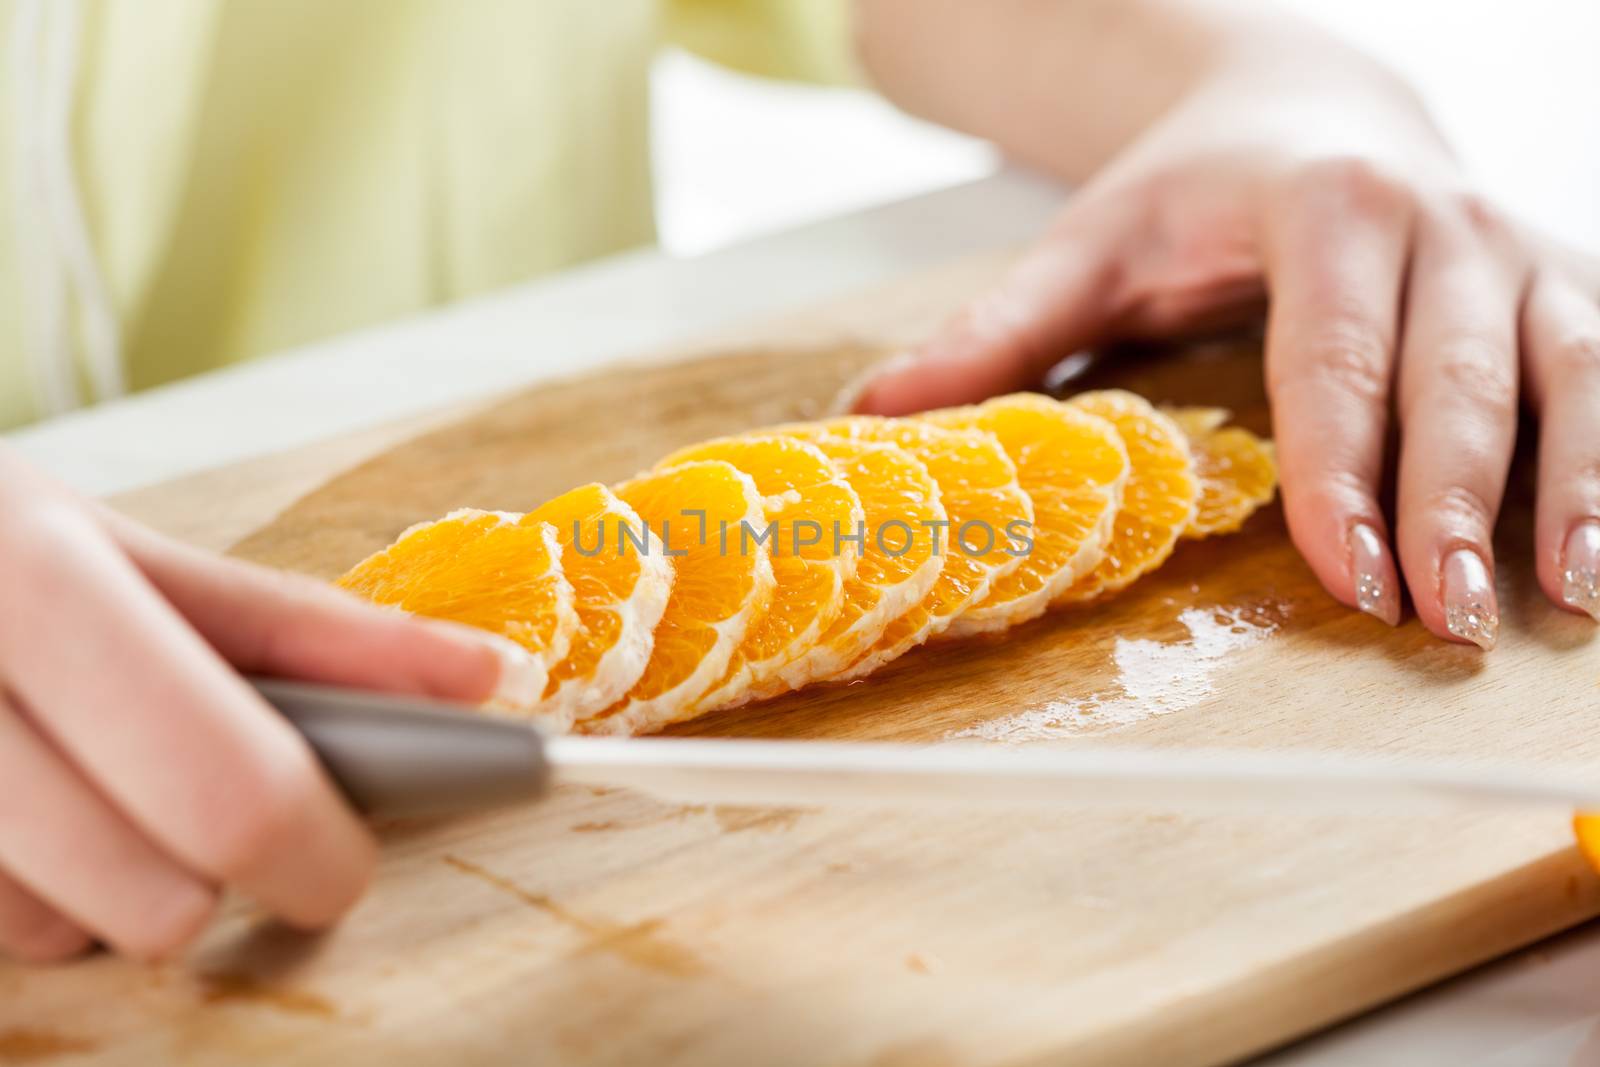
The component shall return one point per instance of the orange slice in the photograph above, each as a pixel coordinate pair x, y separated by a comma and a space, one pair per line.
618, 596
1158, 501
1586, 826
1198, 421
898, 566
1072, 465
695, 512
982, 499
806, 500
484, 569
1238, 471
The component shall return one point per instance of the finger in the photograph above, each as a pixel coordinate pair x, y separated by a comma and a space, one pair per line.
63, 843
273, 622
1458, 405
1337, 245
174, 737
1561, 352
1051, 304
1579, 267
31, 931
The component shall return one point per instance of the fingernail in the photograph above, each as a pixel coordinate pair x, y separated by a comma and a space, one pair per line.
1470, 610
522, 675
1580, 568
1377, 585
844, 403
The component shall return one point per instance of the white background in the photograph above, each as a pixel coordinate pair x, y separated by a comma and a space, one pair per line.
1515, 83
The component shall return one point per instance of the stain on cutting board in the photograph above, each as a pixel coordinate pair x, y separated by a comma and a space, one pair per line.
236, 988
25, 1044
640, 943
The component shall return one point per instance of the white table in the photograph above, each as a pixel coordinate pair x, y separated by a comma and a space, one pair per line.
1539, 1007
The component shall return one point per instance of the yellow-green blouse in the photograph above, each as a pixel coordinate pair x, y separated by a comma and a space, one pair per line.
190, 183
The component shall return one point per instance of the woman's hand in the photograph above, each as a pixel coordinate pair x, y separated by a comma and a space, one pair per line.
139, 774
1391, 282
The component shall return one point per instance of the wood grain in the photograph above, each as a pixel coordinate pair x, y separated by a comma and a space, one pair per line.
603, 928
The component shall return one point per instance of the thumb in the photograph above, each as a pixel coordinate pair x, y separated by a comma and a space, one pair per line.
1052, 303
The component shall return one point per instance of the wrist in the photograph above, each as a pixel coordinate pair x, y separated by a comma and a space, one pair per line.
1291, 67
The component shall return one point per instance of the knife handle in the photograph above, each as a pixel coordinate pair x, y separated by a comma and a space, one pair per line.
403, 756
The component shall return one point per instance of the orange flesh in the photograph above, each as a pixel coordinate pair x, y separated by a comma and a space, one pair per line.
894, 488
1158, 501
804, 497
602, 578
1587, 828
981, 495
713, 591
477, 568
1072, 466
1238, 471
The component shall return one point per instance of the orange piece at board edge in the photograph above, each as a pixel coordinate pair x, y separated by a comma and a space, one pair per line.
1586, 827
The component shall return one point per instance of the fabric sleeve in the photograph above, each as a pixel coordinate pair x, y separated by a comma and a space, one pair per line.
798, 40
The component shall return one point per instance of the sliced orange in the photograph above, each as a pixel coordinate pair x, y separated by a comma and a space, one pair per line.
1198, 421
618, 595
1238, 471
720, 589
982, 498
1072, 465
1158, 501
806, 500
1586, 827
485, 569
898, 566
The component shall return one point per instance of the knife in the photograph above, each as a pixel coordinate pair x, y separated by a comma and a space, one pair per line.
400, 755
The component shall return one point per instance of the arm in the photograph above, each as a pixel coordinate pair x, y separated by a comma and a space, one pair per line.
1065, 85
1229, 153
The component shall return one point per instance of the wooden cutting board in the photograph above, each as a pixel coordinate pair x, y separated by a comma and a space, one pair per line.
604, 928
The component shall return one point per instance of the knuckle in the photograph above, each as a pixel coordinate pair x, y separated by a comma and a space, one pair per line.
1475, 371
1357, 182
29, 534
171, 925
37, 553
1329, 496
1347, 354
1149, 193
1480, 214
270, 804
1574, 358
1342, 489
1460, 508
1584, 473
1003, 329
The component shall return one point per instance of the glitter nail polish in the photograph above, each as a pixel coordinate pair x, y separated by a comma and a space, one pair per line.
1580, 568
1470, 609
1377, 585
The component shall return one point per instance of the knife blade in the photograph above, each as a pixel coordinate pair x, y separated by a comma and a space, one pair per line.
397, 755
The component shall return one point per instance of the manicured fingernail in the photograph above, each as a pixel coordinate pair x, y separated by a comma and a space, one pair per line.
522, 676
1580, 568
1377, 584
1470, 609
